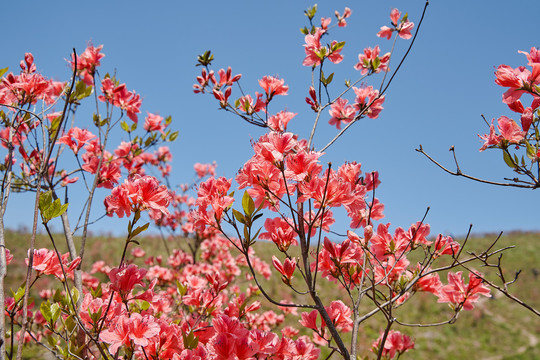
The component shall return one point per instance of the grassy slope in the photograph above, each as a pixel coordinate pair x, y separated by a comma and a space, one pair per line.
496, 329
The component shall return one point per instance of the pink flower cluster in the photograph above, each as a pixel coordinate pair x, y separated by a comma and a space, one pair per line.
46, 262
401, 25
119, 96
520, 81
87, 63
316, 52
136, 194
29, 86
395, 343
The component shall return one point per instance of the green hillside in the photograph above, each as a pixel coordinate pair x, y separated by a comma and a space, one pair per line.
497, 329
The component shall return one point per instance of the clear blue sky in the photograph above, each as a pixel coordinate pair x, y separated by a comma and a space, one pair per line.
436, 100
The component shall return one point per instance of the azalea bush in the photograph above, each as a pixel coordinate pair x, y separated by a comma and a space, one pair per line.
519, 143
203, 298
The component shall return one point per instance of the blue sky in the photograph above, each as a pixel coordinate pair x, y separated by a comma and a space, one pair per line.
436, 100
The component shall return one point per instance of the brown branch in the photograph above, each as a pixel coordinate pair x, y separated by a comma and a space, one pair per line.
459, 173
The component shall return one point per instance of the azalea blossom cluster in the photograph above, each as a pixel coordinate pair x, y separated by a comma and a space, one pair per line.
176, 309
519, 81
131, 156
284, 172
400, 24
285, 182
517, 137
204, 298
138, 193
37, 146
368, 100
29, 86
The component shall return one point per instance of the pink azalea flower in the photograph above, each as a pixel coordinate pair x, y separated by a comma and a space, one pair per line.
273, 86
325, 22
527, 119
138, 193
120, 97
154, 122
510, 130
87, 63
385, 32
403, 27
286, 269
341, 113
46, 261
280, 121
533, 56
456, 293
125, 278
341, 18
315, 52
396, 343
370, 61
205, 169
280, 232
142, 329
76, 138
368, 101
9, 257
226, 78
491, 139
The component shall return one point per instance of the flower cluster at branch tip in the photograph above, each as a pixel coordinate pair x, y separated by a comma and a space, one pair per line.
401, 25
519, 81
136, 194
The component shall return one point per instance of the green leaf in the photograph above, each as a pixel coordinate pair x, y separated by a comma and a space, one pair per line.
96, 119
82, 91
55, 312
45, 309
143, 305
508, 159
45, 200
96, 293
124, 126
247, 204
75, 295
376, 63
311, 11
149, 140
3, 71
54, 125
329, 79
190, 340
338, 46
50, 209
70, 323
181, 288
205, 59
95, 316
139, 230
239, 216
173, 136
52, 341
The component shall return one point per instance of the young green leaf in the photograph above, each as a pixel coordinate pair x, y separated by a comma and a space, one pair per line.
248, 204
